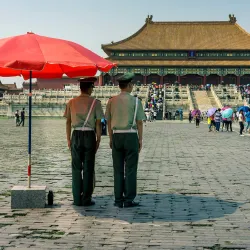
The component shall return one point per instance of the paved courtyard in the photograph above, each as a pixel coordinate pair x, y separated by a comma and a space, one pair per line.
194, 189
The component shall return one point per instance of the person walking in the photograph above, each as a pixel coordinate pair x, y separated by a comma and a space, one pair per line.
197, 119
181, 115
217, 119
17, 117
229, 124
190, 116
83, 114
247, 116
155, 115
22, 117
241, 122
125, 114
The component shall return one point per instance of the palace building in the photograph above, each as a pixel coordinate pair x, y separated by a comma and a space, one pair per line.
183, 52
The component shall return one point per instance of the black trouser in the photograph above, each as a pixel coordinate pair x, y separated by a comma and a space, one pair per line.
22, 122
125, 153
197, 121
229, 125
83, 146
241, 127
224, 124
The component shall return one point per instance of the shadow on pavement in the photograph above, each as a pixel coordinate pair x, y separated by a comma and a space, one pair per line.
162, 207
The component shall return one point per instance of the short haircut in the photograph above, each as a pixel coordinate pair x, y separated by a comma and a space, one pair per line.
124, 84
84, 86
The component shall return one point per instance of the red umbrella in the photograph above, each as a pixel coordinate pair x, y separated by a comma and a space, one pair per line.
48, 58
31, 55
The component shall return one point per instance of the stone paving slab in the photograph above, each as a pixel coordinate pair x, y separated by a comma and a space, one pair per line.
193, 187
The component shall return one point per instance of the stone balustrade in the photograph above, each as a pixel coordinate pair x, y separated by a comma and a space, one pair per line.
223, 93
52, 102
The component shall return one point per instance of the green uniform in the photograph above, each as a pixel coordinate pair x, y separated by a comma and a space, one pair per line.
120, 111
83, 145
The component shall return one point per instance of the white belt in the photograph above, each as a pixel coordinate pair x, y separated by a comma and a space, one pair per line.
119, 131
84, 129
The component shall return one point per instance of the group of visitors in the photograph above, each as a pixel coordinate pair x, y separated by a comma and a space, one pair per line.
245, 92
174, 114
155, 102
17, 117
218, 122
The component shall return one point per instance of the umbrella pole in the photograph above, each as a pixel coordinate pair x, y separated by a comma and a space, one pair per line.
29, 136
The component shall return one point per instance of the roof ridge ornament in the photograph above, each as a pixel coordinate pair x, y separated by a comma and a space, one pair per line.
232, 19
149, 19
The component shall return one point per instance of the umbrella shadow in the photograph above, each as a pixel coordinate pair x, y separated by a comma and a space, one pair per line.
162, 207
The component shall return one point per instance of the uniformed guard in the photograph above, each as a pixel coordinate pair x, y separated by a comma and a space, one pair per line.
125, 114
84, 114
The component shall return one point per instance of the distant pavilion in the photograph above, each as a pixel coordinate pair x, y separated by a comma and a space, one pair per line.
183, 52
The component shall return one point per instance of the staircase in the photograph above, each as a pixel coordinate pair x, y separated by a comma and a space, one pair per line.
193, 98
211, 98
203, 102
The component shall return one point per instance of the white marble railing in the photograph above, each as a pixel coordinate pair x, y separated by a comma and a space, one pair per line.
190, 100
62, 96
216, 98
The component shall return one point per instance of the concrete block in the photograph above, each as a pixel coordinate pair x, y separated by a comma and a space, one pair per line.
24, 197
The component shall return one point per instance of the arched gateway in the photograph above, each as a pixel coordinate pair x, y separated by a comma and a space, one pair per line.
183, 52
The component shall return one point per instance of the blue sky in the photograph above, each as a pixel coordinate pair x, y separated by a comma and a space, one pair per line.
95, 22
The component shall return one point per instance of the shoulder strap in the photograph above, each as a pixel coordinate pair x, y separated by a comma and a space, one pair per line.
90, 110
136, 107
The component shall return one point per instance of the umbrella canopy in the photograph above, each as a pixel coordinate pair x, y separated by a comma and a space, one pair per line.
47, 58
196, 112
34, 56
244, 108
226, 107
211, 111
227, 113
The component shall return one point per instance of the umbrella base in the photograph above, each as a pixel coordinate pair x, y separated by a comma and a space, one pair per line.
24, 197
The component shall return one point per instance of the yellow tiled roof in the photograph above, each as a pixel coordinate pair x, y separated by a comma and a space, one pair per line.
181, 62
224, 35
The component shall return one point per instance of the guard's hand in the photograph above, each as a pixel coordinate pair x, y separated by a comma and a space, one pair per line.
140, 145
97, 145
110, 144
69, 144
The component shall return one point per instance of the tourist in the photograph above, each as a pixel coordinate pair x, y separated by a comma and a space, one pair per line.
155, 115
148, 115
247, 116
217, 119
229, 124
190, 116
125, 114
166, 115
224, 124
104, 126
170, 115
209, 122
22, 117
84, 114
197, 119
241, 122
181, 115
213, 126
17, 117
